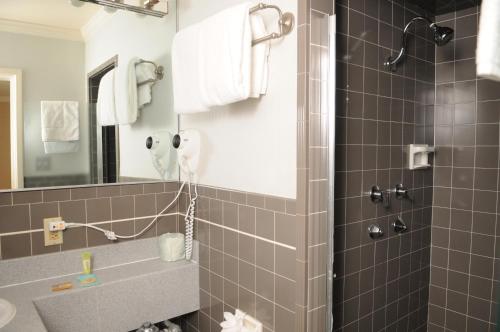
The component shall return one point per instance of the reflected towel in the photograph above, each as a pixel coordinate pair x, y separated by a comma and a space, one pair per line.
105, 109
488, 41
126, 92
60, 121
144, 71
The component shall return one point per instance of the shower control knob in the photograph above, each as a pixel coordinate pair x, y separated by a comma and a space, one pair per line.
375, 231
376, 195
401, 191
399, 226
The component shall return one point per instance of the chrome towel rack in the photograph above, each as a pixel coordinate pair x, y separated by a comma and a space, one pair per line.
159, 72
286, 23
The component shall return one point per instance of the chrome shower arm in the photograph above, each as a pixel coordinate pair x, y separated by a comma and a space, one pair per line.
393, 61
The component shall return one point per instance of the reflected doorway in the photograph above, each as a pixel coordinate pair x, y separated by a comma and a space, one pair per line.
5, 162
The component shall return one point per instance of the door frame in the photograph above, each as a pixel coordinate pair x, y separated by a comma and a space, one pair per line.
14, 76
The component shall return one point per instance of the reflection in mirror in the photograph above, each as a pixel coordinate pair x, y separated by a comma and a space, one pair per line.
82, 88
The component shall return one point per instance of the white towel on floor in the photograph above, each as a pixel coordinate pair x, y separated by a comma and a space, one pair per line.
60, 121
144, 71
105, 108
61, 147
488, 41
260, 57
185, 71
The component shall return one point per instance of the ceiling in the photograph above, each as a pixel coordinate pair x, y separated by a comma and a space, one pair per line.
438, 7
4, 89
54, 13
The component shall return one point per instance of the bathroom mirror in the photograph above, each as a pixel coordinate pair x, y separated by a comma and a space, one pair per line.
58, 58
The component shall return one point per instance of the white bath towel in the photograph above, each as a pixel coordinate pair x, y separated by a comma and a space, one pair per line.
106, 109
144, 71
225, 56
260, 57
60, 121
488, 41
126, 92
61, 147
185, 71
212, 61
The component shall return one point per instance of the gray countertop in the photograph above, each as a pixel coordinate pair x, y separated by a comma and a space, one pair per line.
128, 293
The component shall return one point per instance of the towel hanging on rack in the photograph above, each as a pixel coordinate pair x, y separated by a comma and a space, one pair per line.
147, 74
212, 61
286, 23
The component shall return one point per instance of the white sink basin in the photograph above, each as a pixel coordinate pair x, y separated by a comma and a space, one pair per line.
7, 312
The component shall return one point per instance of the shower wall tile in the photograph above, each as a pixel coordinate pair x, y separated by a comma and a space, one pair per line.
462, 294
381, 284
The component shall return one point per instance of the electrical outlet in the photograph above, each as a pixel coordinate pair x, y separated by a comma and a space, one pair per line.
51, 238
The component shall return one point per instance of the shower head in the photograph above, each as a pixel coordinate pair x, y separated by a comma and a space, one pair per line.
441, 36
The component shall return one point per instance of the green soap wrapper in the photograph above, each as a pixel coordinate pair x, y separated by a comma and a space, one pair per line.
87, 280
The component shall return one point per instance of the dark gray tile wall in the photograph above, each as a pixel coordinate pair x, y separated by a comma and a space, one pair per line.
465, 256
381, 285
121, 208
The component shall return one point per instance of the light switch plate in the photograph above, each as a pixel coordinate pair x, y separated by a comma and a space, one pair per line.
51, 238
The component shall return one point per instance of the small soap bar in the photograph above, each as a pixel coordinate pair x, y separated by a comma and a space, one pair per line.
87, 280
61, 287
172, 247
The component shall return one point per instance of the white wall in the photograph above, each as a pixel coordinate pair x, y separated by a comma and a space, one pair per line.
53, 69
131, 35
251, 145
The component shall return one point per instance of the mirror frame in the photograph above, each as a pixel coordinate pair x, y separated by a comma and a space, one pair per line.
15, 78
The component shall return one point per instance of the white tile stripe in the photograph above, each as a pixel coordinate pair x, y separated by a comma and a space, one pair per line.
163, 215
95, 223
245, 233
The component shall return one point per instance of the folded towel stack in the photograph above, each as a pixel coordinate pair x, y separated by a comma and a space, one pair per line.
119, 96
214, 64
60, 126
488, 41
106, 108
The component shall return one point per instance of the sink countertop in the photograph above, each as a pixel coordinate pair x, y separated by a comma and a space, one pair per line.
131, 277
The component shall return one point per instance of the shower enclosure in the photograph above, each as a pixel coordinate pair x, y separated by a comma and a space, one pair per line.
414, 250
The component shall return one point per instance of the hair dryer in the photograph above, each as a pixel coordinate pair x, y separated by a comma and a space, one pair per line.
187, 143
160, 146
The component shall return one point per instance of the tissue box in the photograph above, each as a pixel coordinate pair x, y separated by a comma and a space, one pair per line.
172, 247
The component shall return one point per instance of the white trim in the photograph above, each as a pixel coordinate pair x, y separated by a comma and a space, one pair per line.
39, 30
244, 233
14, 76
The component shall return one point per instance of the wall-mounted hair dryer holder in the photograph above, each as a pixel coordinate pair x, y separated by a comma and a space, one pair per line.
187, 142
160, 149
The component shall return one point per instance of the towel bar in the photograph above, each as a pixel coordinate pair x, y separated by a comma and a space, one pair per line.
158, 72
286, 23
